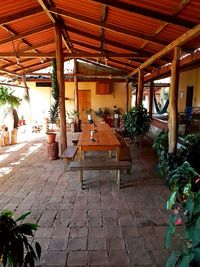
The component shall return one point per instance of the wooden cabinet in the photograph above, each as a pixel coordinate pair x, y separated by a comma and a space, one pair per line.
102, 88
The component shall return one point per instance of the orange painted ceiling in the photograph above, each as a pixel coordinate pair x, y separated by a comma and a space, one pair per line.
126, 32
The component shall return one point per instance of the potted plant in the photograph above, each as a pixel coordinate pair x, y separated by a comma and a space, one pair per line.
103, 113
15, 248
72, 117
136, 122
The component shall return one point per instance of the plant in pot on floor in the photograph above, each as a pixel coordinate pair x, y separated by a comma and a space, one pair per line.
15, 248
136, 122
104, 114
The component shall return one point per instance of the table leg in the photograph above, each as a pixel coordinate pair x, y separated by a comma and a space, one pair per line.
117, 154
79, 153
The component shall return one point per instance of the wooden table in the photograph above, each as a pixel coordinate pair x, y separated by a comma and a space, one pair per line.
105, 139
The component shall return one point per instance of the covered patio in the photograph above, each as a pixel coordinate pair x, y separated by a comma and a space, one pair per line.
116, 47
100, 226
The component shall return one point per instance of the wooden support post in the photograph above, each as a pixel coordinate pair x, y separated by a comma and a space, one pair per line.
61, 83
76, 85
76, 95
136, 95
173, 102
140, 87
151, 90
127, 95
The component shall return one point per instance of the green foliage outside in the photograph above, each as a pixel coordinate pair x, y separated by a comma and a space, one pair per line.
15, 248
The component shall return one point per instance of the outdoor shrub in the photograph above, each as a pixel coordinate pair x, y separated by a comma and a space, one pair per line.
15, 249
184, 203
136, 121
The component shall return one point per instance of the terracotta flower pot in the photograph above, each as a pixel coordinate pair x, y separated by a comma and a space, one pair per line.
51, 137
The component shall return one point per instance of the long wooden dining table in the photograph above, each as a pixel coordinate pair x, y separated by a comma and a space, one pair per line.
98, 137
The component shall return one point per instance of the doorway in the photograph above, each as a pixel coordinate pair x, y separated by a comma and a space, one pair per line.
189, 99
84, 103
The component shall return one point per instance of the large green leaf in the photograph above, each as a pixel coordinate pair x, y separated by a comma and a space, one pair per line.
171, 201
172, 260
185, 261
23, 216
170, 232
38, 249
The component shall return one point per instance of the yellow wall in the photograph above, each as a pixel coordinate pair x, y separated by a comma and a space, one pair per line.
41, 99
189, 78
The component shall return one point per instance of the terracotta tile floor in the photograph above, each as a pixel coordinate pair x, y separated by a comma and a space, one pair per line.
100, 226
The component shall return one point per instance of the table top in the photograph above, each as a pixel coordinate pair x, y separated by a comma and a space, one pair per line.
104, 136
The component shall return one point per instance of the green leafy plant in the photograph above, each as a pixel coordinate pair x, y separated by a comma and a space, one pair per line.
54, 110
184, 203
7, 98
136, 121
103, 113
190, 152
15, 249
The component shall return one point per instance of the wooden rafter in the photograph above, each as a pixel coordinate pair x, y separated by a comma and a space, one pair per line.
178, 42
103, 19
54, 19
27, 33
180, 7
20, 15
147, 13
107, 26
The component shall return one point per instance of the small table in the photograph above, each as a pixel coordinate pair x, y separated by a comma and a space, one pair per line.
105, 139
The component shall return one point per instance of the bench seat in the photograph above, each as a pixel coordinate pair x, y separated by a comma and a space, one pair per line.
69, 155
99, 165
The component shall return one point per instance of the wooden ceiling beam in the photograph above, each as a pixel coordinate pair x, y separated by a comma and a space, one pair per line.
148, 13
110, 42
27, 33
66, 55
125, 71
26, 55
20, 15
53, 19
12, 73
178, 42
108, 26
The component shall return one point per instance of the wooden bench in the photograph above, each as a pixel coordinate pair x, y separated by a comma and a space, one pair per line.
124, 151
69, 155
99, 165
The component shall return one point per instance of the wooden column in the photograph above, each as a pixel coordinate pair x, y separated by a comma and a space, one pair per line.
173, 102
127, 95
76, 94
76, 85
61, 83
140, 87
136, 95
151, 90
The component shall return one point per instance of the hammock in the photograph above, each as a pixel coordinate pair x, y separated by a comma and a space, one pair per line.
164, 109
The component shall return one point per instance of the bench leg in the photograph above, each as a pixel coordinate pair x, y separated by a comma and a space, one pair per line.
66, 164
118, 179
81, 179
